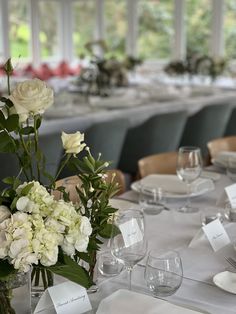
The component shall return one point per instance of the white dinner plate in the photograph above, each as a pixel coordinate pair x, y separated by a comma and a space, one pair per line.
173, 187
226, 280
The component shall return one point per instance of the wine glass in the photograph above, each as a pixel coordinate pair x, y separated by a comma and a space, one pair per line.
189, 167
129, 246
163, 272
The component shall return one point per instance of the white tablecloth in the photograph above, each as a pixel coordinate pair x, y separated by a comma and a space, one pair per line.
173, 230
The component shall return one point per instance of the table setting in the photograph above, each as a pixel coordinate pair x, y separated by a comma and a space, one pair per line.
207, 282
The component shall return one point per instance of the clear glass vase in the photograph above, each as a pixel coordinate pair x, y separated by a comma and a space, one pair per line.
41, 279
15, 294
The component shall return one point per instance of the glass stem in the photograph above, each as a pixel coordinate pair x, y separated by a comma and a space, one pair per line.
129, 270
188, 204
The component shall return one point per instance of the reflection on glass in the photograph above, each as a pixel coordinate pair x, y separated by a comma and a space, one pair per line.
19, 31
155, 28
48, 20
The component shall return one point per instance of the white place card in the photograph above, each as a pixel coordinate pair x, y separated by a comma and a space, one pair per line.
131, 232
216, 234
231, 193
64, 298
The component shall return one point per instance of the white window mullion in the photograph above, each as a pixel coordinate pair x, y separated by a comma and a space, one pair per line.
217, 34
65, 31
4, 29
179, 44
35, 31
132, 33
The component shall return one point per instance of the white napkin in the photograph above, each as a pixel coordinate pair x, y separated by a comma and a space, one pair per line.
172, 184
129, 302
222, 158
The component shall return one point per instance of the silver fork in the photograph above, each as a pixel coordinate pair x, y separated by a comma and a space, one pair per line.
231, 261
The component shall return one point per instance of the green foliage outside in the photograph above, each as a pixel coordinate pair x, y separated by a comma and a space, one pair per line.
155, 35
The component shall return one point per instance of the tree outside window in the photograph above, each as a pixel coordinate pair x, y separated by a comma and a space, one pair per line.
155, 29
115, 27
230, 29
83, 13
198, 25
19, 31
48, 20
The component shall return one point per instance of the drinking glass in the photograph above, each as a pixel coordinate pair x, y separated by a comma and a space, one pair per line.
189, 167
152, 199
129, 246
163, 272
231, 168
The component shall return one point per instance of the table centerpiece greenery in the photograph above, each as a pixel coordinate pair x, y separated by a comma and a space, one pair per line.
38, 231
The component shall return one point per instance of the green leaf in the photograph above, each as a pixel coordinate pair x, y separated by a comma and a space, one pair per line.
72, 271
7, 143
6, 270
27, 130
26, 189
2, 119
109, 231
38, 120
12, 123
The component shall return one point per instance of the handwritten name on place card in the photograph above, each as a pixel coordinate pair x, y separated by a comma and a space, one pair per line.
231, 193
131, 232
216, 234
64, 298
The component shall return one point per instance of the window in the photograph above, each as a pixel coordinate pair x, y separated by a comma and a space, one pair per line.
19, 31
198, 23
155, 29
83, 25
115, 27
230, 29
48, 20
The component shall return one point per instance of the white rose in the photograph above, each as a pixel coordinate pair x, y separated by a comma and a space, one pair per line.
72, 143
31, 97
4, 213
85, 226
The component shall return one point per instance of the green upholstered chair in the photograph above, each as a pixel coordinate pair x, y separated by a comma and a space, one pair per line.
107, 138
51, 146
9, 167
231, 125
207, 124
160, 133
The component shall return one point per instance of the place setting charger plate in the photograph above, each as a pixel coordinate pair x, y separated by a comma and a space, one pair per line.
226, 281
173, 186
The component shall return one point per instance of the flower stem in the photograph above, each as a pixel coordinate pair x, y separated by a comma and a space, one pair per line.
36, 143
63, 164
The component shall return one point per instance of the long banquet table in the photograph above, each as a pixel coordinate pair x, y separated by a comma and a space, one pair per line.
80, 116
182, 232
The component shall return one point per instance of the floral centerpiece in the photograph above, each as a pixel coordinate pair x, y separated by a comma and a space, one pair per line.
37, 231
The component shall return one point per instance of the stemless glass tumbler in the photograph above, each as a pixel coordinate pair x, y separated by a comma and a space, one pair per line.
163, 273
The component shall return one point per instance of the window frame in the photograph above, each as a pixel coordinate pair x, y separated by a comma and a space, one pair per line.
216, 45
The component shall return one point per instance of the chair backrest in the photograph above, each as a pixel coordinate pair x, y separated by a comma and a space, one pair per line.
71, 182
163, 163
51, 146
207, 124
9, 167
160, 133
221, 144
231, 125
107, 138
